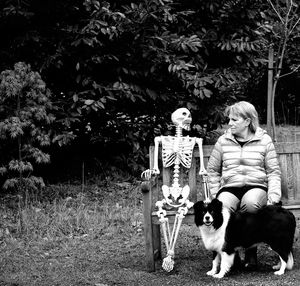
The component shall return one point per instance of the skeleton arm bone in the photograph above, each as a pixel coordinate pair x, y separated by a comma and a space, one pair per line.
202, 170
157, 141
154, 171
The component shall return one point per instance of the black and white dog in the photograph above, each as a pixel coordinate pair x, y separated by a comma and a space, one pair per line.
224, 232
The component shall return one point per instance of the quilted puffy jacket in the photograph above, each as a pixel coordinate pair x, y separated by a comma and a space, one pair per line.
254, 164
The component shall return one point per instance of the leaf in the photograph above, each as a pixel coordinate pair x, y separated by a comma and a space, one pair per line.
111, 97
75, 97
207, 92
151, 93
100, 104
89, 101
78, 78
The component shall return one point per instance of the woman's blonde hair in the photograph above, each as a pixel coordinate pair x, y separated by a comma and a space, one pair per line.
245, 110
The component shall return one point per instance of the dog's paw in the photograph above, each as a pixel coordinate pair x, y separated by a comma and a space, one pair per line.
211, 272
277, 266
279, 272
218, 275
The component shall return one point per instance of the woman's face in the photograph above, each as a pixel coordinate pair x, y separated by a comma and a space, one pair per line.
238, 124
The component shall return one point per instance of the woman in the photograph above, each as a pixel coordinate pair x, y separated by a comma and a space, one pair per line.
243, 169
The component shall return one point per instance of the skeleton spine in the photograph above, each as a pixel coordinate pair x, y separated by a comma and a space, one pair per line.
177, 160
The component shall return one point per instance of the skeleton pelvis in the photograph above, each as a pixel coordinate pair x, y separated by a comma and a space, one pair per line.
175, 194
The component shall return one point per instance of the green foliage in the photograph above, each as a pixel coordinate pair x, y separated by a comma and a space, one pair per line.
138, 47
134, 63
25, 122
117, 69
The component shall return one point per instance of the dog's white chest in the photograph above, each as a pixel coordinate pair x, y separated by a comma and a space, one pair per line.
213, 241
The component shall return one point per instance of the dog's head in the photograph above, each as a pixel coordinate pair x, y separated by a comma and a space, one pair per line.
208, 214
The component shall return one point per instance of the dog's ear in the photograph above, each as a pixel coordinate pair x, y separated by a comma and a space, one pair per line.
218, 205
198, 206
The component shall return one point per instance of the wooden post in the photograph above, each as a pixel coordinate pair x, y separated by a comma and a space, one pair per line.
151, 232
270, 105
149, 244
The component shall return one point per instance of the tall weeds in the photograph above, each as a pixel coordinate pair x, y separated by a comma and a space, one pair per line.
70, 217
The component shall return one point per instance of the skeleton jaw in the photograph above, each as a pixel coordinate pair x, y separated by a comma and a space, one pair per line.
187, 126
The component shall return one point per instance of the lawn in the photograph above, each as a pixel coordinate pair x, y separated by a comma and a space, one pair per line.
95, 237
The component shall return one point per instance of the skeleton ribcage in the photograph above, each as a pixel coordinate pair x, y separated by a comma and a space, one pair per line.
177, 148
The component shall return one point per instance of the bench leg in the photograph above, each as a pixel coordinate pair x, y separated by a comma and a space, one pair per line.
149, 244
156, 241
153, 246
151, 231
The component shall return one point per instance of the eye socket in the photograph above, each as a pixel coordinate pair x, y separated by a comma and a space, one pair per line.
184, 113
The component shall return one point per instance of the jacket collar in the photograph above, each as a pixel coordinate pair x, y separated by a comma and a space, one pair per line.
257, 136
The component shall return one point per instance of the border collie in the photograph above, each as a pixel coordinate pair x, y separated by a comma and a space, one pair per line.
224, 232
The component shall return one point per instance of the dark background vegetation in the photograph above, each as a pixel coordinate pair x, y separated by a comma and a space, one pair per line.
115, 70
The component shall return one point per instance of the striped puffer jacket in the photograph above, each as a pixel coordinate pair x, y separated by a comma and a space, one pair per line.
254, 164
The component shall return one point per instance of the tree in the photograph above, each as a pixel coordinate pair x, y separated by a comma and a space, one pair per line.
150, 53
24, 127
124, 67
281, 27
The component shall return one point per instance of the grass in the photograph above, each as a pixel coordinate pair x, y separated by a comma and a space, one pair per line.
96, 238
71, 237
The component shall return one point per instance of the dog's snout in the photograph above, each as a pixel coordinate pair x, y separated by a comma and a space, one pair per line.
207, 218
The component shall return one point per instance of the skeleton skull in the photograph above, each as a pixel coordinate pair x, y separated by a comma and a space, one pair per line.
182, 118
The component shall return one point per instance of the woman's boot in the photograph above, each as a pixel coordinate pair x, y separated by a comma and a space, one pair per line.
251, 258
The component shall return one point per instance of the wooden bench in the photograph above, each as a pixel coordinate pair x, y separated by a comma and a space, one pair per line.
289, 159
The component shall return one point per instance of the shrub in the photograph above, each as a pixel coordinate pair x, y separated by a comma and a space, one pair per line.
25, 120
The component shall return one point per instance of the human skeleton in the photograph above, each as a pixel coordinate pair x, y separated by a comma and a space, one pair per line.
176, 150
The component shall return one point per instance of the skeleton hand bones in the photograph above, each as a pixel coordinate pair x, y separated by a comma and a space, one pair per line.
147, 174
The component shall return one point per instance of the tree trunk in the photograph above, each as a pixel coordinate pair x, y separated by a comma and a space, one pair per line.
270, 102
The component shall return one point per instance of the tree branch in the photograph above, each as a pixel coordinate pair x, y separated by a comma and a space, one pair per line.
280, 18
297, 22
294, 70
